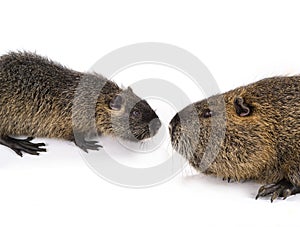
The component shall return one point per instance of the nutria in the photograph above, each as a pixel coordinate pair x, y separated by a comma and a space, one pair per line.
249, 133
38, 97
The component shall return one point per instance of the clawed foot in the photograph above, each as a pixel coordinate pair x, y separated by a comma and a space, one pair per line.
282, 189
227, 179
87, 145
21, 146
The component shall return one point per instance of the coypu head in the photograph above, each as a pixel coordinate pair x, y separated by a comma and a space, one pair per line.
230, 135
197, 128
123, 114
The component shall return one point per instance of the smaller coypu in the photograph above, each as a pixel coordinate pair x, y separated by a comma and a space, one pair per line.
249, 133
41, 98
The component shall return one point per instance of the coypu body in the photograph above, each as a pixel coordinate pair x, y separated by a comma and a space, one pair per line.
41, 98
249, 133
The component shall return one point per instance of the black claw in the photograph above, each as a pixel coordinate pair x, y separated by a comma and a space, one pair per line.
18, 152
227, 179
257, 196
85, 150
274, 196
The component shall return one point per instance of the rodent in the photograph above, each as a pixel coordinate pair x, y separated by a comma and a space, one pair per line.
37, 99
252, 133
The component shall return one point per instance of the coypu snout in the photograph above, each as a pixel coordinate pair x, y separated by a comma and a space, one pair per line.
180, 137
154, 126
143, 121
174, 124
193, 128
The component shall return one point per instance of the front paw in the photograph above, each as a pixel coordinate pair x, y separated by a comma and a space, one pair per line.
86, 145
282, 189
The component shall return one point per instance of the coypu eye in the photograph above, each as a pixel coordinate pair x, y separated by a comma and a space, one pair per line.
207, 113
116, 102
136, 113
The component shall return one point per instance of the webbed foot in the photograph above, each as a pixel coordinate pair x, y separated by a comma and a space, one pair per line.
283, 189
21, 146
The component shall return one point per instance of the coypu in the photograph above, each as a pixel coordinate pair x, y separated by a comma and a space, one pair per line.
249, 133
38, 97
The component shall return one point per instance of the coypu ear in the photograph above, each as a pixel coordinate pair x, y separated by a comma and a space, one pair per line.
116, 102
241, 108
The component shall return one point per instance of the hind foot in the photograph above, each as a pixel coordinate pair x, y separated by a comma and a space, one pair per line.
21, 146
283, 189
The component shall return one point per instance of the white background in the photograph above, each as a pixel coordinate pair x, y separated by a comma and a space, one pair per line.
239, 42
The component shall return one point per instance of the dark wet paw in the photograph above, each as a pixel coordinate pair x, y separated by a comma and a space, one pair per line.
88, 145
20, 146
281, 189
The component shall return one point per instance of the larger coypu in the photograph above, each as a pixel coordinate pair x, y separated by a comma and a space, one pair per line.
41, 98
249, 133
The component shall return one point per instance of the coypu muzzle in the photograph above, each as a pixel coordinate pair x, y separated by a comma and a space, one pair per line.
174, 125
154, 126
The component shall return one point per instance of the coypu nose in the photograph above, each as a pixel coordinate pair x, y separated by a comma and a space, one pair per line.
174, 122
154, 125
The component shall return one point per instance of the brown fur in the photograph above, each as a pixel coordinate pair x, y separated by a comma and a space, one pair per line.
38, 97
263, 146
